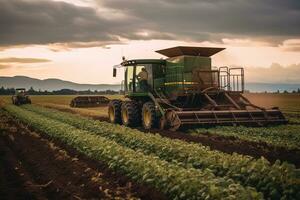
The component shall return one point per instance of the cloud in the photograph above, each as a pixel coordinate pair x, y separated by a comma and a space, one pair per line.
64, 24
276, 73
4, 66
42, 22
11, 62
272, 20
291, 45
45, 22
23, 60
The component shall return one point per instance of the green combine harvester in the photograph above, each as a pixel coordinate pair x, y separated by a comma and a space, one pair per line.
184, 89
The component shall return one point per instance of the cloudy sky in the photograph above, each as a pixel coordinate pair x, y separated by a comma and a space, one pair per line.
80, 40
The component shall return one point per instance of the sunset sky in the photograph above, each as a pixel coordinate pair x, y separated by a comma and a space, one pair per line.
80, 40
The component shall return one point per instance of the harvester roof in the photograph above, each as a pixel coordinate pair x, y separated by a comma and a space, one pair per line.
142, 61
189, 51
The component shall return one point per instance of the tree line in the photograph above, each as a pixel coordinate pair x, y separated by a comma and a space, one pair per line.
32, 91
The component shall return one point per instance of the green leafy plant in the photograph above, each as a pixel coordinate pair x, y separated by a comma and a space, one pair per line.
279, 179
173, 180
287, 136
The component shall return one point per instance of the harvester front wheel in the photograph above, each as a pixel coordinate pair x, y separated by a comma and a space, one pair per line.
149, 115
130, 113
114, 111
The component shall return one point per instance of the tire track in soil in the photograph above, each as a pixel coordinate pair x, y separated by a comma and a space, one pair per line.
48, 171
221, 143
14, 178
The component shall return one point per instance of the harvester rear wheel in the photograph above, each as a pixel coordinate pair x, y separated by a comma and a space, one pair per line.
130, 113
149, 115
114, 111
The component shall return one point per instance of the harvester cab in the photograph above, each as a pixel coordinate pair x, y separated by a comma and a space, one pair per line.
184, 89
21, 97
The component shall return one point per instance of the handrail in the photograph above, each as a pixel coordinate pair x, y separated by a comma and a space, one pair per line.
230, 81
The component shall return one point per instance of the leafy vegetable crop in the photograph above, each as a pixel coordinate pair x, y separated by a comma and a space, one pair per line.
287, 136
173, 180
273, 180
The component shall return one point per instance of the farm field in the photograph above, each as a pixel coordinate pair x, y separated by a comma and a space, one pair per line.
62, 102
278, 136
199, 163
286, 102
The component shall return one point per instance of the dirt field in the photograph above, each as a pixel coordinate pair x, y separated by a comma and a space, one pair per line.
286, 102
65, 173
62, 102
37, 168
289, 103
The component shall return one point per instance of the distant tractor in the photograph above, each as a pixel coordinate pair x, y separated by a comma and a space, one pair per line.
21, 97
89, 101
184, 89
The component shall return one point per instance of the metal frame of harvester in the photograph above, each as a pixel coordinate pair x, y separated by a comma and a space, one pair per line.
184, 89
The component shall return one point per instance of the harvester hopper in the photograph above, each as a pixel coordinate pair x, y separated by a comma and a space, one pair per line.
184, 90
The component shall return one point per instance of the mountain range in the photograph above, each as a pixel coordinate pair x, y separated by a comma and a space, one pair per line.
51, 84
57, 84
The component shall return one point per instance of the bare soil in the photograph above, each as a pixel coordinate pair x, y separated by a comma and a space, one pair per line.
34, 167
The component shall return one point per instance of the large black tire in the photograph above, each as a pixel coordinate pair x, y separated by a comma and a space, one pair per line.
130, 113
114, 111
149, 118
17, 103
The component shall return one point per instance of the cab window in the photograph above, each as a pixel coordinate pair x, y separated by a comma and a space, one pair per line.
129, 79
138, 85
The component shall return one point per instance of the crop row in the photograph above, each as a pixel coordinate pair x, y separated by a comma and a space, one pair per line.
287, 136
273, 180
173, 180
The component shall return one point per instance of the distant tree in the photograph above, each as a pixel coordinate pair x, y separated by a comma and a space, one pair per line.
2, 90
31, 91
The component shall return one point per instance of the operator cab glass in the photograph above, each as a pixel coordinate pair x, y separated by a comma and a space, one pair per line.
133, 82
135, 79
